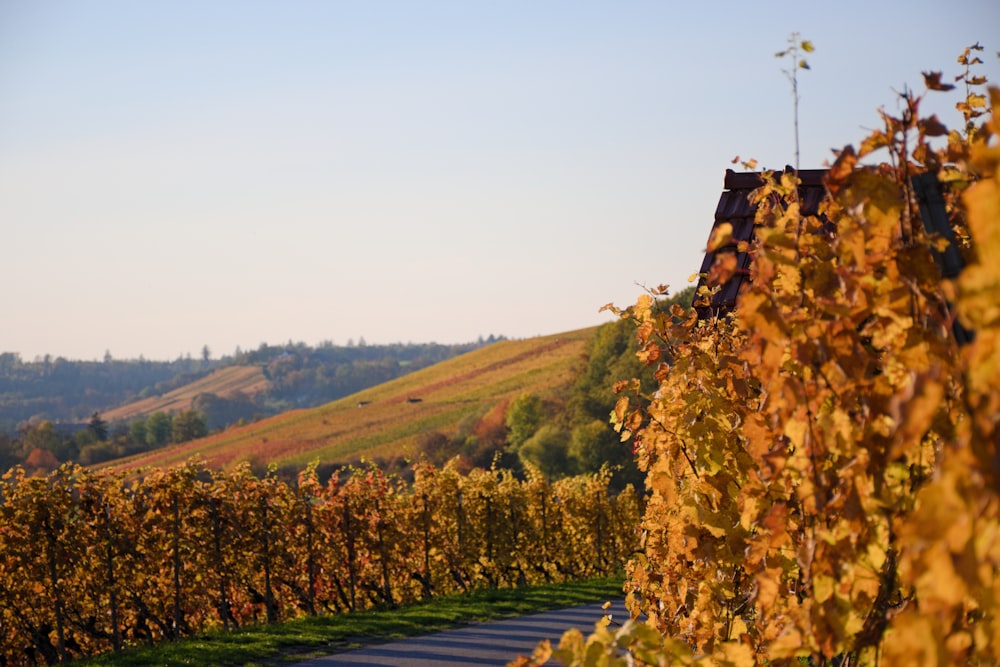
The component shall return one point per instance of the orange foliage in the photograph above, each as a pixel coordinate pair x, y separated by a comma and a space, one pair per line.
823, 464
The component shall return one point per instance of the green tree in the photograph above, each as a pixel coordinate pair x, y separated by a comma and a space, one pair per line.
189, 425
548, 449
589, 446
158, 429
523, 419
137, 431
41, 436
80, 439
98, 427
8, 451
98, 453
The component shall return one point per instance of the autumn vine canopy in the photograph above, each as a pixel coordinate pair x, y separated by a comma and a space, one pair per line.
824, 463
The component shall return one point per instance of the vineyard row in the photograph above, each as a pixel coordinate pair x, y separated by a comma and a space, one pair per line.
91, 563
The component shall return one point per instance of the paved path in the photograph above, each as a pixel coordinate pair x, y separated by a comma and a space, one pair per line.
493, 643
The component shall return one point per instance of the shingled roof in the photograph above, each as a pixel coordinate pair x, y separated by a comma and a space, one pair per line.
736, 208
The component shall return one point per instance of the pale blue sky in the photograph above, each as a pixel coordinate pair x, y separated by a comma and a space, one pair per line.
177, 173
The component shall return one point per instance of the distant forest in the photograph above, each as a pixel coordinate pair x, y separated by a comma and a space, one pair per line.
64, 398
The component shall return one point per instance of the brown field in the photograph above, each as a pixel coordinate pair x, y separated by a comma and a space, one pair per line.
224, 383
389, 424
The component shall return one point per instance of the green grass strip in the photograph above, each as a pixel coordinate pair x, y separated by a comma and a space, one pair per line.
312, 637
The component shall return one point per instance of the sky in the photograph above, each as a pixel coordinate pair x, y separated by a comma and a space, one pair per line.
175, 174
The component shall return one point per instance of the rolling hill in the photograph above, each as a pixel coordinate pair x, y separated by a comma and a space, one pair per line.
388, 420
224, 382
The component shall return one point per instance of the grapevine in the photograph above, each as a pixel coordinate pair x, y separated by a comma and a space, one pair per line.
92, 562
823, 462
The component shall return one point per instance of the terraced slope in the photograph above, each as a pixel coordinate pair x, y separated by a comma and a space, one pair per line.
224, 382
387, 420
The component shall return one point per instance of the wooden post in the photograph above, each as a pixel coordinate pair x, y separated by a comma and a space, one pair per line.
383, 557
116, 634
427, 548
349, 541
544, 529
491, 573
269, 606
310, 558
224, 610
177, 568
51, 544
600, 535
459, 512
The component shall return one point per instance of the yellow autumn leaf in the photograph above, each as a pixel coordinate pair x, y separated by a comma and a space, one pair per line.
735, 654
823, 586
788, 644
913, 641
621, 408
939, 584
876, 556
542, 652
768, 587
722, 235
796, 430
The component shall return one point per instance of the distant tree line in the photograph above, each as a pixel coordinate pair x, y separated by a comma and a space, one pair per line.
48, 407
42, 446
65, 391
68, 392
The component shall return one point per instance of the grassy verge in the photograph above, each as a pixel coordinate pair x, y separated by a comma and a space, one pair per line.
311, 637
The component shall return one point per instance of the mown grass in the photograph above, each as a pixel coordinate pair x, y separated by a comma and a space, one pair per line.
306, 638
